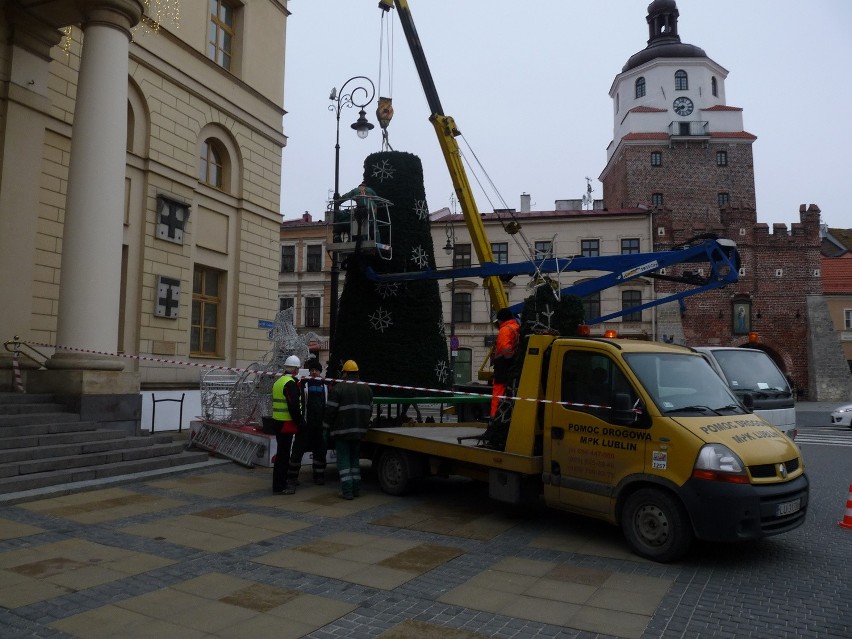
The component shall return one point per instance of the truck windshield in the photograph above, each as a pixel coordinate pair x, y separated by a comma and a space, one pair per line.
751, 370
683, 383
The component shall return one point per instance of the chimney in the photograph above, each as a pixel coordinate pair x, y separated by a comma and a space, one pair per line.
307, 217
525, 202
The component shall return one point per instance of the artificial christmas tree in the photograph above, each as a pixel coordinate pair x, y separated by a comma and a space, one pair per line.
394, 331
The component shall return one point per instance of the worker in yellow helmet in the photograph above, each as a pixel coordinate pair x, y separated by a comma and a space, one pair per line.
347, 417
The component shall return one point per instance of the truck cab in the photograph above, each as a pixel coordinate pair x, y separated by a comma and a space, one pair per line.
648, 437
757, 382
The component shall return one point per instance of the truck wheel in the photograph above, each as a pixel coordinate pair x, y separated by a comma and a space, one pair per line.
655, 525
395, 472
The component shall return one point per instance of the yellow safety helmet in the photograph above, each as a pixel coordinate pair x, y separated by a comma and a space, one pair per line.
350, 366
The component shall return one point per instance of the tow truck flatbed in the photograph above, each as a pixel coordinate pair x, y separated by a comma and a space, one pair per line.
457, 442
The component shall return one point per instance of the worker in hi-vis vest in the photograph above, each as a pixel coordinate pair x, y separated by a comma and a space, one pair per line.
287, 413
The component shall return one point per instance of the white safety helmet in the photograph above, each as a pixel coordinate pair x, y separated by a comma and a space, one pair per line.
292, 362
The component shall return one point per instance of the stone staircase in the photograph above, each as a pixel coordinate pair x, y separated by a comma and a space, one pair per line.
45, 448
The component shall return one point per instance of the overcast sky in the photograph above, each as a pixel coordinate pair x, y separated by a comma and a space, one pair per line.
528, 86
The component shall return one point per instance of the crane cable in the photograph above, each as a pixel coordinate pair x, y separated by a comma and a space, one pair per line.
525, 246
386, 28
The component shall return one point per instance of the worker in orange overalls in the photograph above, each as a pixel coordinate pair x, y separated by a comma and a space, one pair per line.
504, 354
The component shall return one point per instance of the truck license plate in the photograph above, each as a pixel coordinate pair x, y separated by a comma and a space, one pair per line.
788, 507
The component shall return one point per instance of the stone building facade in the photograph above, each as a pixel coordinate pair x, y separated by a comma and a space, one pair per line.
171, 253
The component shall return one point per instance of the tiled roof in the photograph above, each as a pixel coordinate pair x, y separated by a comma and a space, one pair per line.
647, 109
844, 236
742, 135
646, 136
722, 107
837, 274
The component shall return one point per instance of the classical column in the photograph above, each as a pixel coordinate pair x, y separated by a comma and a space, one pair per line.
91, 243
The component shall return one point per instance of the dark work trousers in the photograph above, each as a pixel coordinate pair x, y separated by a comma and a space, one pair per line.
282, 460
309, 438
349, 466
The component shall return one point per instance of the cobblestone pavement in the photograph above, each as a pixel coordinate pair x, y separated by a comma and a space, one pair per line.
212, 553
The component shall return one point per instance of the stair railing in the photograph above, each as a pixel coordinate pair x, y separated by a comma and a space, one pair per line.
19, 346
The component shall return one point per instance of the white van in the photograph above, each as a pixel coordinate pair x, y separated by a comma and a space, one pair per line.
757, 382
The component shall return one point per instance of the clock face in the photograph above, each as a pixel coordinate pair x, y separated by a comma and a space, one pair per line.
682, 106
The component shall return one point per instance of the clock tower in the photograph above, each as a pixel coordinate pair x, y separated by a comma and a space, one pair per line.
676, 143
679, 149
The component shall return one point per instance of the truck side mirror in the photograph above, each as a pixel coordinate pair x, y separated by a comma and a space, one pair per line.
622, 410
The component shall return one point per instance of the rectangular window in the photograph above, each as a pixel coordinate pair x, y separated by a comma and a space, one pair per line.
724, 198
656, 159
657, 199
220, 34
461, 308
284, 303
288, 259
314, 259
591, 307
312, 311
543, 250
590, 248
847, 319
206, 301
629, 299
461, 256
721, 158
630, 246
501, 252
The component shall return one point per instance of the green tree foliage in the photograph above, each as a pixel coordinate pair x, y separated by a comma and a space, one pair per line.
394, 331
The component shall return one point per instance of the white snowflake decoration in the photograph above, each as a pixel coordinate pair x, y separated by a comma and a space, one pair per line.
421, 209
442, 371
383, 171
420, 257
380, 320
387, 289
543, 319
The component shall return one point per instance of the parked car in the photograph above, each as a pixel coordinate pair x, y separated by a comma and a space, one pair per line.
842, 416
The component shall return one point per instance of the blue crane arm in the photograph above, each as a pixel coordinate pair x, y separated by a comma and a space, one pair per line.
721, 256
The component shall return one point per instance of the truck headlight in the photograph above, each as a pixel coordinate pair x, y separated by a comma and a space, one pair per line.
719, 463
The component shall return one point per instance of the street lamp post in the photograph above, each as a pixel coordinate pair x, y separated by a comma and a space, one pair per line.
450, 249
360, 95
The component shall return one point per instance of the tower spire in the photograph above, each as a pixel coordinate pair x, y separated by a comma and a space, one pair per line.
662, 22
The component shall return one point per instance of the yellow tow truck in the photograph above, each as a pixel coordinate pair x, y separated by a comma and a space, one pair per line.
641, 434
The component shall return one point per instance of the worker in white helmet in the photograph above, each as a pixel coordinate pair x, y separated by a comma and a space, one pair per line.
287, 413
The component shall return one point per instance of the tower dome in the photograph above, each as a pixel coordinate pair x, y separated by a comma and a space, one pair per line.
663, 39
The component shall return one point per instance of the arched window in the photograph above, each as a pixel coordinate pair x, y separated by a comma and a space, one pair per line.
640, 87
131, 126
681, 80
714, 86
211, 168
462, 367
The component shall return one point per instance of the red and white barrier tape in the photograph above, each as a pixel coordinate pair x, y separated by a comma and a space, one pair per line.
438, 391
